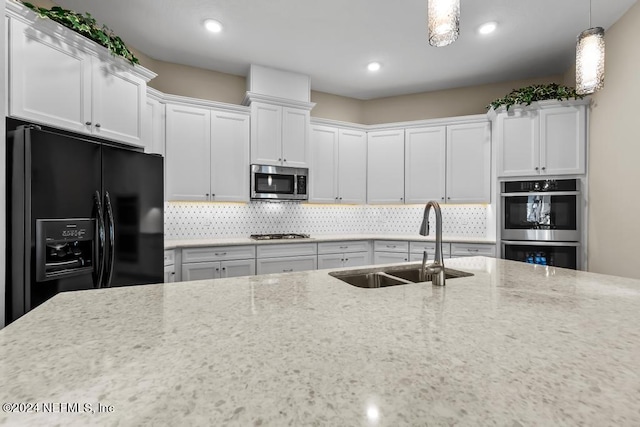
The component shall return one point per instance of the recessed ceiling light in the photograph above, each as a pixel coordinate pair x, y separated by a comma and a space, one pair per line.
213, 25
373, 66
487, 28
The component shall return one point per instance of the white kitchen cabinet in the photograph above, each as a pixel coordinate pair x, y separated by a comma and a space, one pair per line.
218, 262
169, 266
472, 249
286, 264
468, 163
207, 156
55, 79
416, 250
286, 257
390, 251
348, 259
229, 156
188, 153
448, 164
218, 269
338, 165
425, 162
279, 135
344, 254
154, 126
549, 140
385, 167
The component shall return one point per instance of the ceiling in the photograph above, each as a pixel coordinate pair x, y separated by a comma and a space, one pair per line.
333, 40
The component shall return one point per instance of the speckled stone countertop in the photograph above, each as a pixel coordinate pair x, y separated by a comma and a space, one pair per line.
513, 345
180, 243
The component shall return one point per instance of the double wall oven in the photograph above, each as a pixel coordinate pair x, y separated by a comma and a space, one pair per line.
541, 222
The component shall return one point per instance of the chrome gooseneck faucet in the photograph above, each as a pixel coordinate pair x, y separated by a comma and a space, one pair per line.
436, 269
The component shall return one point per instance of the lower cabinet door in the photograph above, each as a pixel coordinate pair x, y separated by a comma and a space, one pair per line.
330, 261
286, 264
356, 259
169, 274
244, 267
200, 271
390, 257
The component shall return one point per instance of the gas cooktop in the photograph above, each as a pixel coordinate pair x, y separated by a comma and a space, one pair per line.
279, 236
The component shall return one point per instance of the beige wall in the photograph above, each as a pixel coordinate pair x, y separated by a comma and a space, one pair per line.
337, 107
614, 156
444, 103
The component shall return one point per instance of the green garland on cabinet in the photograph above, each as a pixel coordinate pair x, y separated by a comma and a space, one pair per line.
86, 25
527, 95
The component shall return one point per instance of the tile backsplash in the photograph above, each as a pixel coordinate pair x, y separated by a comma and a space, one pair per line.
223, 220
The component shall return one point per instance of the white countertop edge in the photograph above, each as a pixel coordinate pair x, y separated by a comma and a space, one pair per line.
232, 241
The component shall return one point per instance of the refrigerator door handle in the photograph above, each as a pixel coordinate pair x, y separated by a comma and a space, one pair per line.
99, 273
112, 239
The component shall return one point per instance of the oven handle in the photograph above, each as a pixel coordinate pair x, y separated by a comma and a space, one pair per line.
541, 193
538, 243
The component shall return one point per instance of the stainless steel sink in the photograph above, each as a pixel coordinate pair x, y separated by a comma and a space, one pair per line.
380, 277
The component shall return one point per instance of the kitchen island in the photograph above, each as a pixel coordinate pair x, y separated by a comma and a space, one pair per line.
514, 344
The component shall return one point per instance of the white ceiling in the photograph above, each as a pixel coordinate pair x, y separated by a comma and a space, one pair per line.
333, 40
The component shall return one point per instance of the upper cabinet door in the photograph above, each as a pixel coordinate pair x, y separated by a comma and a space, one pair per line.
323, 184
229, 156
188, 159
562, 140
266, 134
518, 143
425, 160
117, 103
295, 137
469, 163
49, 81
385, 167
352, 166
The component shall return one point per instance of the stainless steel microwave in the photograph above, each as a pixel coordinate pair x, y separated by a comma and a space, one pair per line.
279, 183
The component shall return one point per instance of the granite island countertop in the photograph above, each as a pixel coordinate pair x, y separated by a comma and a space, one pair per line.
513, 345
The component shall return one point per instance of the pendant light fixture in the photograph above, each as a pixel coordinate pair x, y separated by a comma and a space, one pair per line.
590, 59
443, 22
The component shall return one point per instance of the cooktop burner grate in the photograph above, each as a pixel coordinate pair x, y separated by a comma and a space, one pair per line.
279, 236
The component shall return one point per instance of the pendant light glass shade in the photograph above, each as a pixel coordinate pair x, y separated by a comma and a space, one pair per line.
590, 61
444, 22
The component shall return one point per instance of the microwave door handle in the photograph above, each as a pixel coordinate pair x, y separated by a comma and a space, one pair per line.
112, 240
100, 253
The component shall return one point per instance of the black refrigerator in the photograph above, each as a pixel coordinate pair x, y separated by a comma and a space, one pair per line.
82, 213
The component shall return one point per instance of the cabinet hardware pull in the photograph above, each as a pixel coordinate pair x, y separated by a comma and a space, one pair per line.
287, 271
280, 159
340, 198
285, 160
207, 194
344, 247
391, 246
473, 250
217, 269
224, 268
220, 254
97, 125
87, 123
441, 198
537, 168
448, 198
173, 273
544, 168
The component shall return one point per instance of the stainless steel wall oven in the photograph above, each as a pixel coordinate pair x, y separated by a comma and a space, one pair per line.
541, 221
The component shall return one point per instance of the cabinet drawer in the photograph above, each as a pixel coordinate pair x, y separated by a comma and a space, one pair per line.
218, 253
472, 249
342, 247
287, 249
389, 257
430, 247
391, 246
286, 264
169, 257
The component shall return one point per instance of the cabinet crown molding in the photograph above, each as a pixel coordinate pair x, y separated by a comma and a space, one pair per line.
268, 99
15, 10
